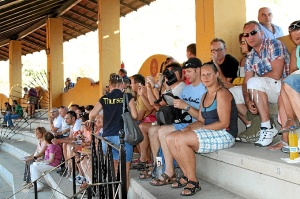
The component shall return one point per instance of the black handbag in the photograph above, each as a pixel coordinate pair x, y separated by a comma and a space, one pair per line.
133, 133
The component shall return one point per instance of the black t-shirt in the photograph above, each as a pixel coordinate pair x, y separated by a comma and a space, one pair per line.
112, 104
230, 67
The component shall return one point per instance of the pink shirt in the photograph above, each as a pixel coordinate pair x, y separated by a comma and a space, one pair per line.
56, 149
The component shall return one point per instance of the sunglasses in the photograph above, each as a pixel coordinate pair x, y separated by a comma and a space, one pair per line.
116, 77
189, 65
217, 50
243, 42
294, 26
252, 33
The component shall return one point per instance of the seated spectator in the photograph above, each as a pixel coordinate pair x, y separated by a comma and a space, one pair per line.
88, 108
74, 107
227, 63
32, 101
8, 109
16, 113
265, 65
265, 17
66, 88
175, 89
252, 122
53, 155
123, 74
70, 119
289, 94
215, 130
38, 154
189, 102
55, 123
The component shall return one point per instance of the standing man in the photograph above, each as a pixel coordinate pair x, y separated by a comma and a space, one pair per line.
270, 30
265, 65
228, 64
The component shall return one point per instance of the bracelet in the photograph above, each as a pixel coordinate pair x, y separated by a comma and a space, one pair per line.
34, 157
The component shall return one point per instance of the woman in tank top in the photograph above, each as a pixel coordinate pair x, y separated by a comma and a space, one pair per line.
215, 129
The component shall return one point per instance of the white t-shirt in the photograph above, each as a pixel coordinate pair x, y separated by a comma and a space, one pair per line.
65, 126
57, 122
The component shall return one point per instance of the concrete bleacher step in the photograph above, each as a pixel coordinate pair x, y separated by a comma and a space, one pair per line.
26, 145
141, 189
5, 189
252, 172
12, 171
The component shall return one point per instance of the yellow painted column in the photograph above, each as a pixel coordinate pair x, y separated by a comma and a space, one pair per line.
109, 40
55, 66
222, 19
15, 69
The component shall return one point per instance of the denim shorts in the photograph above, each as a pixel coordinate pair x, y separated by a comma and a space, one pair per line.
116, 141
293, 81
211, 140
180, 126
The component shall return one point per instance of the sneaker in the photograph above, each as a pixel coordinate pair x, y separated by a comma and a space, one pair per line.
266, 136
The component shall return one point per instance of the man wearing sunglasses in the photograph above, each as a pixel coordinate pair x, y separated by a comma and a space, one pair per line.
270, 30
265, 65
227, 63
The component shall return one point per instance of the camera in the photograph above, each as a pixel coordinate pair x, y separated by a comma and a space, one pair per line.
170, 75
82, 114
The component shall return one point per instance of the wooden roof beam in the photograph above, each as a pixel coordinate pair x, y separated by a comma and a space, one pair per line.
34, 44
80, 23
81, 15
127, 5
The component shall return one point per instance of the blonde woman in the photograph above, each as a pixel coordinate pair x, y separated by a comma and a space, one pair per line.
37, 155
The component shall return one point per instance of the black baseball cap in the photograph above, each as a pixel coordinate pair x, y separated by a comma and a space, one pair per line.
192, 63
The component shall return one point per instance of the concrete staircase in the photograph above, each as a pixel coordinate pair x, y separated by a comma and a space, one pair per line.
243, 171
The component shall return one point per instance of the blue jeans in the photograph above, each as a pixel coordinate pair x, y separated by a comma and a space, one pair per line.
116, 141
8, 118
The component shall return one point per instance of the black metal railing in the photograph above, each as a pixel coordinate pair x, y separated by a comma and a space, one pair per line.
106, 181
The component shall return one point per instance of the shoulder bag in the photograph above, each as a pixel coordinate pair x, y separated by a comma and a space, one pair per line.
133, 133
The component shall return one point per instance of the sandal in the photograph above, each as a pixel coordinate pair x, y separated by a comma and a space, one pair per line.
192, 190
145, 174
178, 184
166, 180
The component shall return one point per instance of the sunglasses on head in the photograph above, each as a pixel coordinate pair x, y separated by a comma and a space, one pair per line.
116, 77
251, 33
295, 25
189, 65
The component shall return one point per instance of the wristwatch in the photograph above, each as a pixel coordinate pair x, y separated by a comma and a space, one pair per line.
155, 86
187, 108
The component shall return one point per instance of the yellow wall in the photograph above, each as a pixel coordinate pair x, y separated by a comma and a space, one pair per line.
3, 99
288, 42
84, 93
222, 19
151, 66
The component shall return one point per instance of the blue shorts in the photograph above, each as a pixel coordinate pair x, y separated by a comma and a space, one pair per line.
116, 141
293, 81
211, 140
180, 126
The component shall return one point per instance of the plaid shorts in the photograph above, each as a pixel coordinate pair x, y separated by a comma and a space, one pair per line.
211, 140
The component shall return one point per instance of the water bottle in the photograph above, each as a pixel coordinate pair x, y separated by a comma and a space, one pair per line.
293, 143
159, 167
